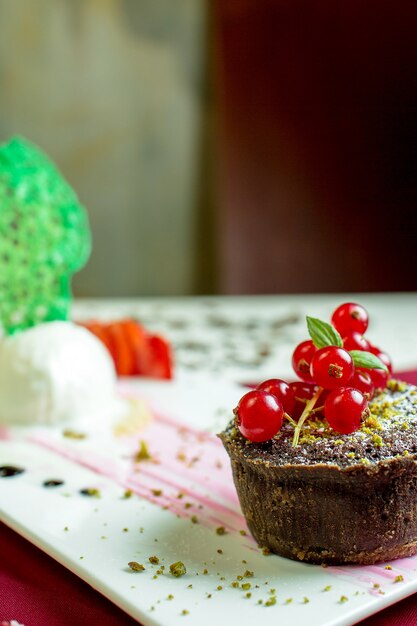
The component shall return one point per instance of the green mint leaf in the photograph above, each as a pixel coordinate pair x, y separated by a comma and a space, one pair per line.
323, 334
367, 360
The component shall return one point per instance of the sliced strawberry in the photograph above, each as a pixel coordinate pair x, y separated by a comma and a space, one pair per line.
138, 342
134, 351
160, 358
100, 331
121, 349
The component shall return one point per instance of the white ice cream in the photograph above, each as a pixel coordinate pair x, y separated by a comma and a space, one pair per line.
56, 372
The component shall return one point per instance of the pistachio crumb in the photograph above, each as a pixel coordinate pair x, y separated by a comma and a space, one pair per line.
136, 567
246, 586
220, 530
91, 492
143, 453
288, 601
248, 595
170, 597
219, 587
157, 492
343, 599
399, 578
388, 567
327, 588
194, 519
177, 569
185, 612
73, 434
127, 494
154, 560
271, 601
306, 600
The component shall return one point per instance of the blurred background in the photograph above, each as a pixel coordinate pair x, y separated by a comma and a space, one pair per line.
225, 146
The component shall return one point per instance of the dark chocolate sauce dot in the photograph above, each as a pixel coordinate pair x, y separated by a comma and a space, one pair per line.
53, 483
6, 471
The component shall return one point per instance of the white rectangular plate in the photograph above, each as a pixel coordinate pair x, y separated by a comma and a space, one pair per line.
96, 537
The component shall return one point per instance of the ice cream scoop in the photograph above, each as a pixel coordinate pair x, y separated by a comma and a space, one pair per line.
56, 372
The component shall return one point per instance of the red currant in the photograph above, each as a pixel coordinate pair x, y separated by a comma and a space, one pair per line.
378, 377
344, 409
331, 367
382, 356
355, 341
281, 390
303, 392
361, 380
259, 415
301, 360
350, 317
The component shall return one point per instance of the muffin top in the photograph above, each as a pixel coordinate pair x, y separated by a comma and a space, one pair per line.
388, 432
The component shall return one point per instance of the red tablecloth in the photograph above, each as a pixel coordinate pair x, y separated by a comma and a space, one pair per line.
36, 591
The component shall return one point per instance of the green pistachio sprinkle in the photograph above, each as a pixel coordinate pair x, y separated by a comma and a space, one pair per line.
91, 492
136, 567
154, 560
143, 452
177, 569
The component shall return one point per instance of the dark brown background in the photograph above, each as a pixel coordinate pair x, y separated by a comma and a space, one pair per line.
316, 156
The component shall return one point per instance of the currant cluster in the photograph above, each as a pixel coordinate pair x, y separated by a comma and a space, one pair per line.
340, 371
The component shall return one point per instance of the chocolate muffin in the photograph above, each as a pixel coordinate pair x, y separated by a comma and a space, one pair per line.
334, 498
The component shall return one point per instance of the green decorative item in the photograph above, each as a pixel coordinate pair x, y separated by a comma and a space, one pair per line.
44, 238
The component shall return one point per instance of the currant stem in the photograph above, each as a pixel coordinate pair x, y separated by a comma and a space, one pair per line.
290, 419
309, 406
